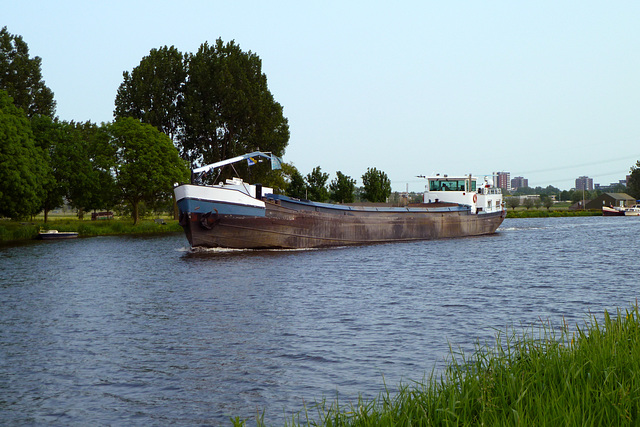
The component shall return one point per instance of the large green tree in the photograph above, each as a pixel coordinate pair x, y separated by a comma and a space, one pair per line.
342, 188
147, 164
81, 159
317, 185
21, 77
633, 184
228, 108
297, 187
152, 92
23, 166
48, 135
377, 186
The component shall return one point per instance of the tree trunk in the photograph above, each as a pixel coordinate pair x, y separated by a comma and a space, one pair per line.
46, 215
135, 213
176, 211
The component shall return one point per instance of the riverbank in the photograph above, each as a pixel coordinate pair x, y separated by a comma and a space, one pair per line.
26, 230
589, 376
544, 213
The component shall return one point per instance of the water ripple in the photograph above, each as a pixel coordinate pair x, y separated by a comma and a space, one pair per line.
139, 331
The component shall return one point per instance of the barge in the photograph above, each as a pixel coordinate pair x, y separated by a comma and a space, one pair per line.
236, 214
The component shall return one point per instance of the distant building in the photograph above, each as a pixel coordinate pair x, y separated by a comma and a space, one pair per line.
611, 199
584, 183
502, 180
519, 182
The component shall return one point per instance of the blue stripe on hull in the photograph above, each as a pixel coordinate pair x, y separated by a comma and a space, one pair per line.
204, 206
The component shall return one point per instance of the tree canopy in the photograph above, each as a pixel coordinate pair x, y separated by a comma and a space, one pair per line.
297, 187
228, 108
147, 164
317, 185
512, 201
633, 184
342, 188
377, 186
152, 92
214, 104
21, 77
23, 166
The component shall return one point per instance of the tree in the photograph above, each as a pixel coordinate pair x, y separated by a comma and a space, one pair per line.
23, 166
342, 188
228, 109
47, 135
537, 202
547, 202
152, 92
513, 202
377, 186
633, 184
297, 187
317, 185
21, 77
527, 203
147, 164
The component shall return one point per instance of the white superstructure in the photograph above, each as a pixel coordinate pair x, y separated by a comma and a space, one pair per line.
484, 198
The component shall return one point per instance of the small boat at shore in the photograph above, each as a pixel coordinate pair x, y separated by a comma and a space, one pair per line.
632, 211
56, 235
235, 214
621, 211
612, 211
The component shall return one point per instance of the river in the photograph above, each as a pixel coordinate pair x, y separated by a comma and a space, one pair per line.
145, 331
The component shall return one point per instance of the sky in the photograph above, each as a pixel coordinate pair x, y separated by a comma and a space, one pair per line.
547, 90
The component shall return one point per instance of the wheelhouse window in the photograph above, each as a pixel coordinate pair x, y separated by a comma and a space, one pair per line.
450, 185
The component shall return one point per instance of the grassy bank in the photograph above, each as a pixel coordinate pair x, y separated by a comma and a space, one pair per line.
544, 213
587, 377
14, 230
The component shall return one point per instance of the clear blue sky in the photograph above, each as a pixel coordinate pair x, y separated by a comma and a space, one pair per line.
548, 90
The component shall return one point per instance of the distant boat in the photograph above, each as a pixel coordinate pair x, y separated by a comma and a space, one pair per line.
612, 211
56, 235
632, 211
236, 214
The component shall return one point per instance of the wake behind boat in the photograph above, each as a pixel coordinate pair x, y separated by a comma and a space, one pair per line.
235, 214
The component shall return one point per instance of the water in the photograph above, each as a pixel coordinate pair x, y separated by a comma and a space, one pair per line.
143, 331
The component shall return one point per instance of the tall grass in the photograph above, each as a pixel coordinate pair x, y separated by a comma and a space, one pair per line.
589, 377
13, 230
544, 213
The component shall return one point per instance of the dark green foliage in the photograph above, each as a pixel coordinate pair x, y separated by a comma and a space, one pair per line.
317, 185
228, 108
147, 164
214, 104
512, 202
633, 185
21, 77
377, 186
547, 202
152, 92
297, 187
47, 135
24, 168
342, 188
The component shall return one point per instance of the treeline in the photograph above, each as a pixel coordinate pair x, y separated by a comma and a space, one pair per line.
342, 189
575, 195
215, 104
173, 112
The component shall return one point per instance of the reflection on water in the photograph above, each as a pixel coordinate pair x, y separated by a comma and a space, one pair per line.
119, 330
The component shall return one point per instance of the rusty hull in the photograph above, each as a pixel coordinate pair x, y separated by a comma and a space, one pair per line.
287, 228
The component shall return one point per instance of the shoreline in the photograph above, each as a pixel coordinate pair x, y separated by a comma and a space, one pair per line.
17, 231
553, 213
20, 231
540, 376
